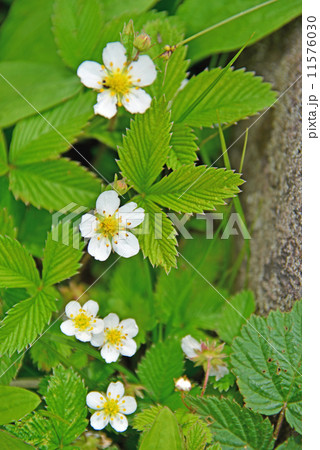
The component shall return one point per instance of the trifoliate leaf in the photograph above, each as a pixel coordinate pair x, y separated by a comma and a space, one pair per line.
266, 358
3, 154
157, 238
183, 146
61, 256
8, 442
45, 137
237, 95
6, 224
144, 420
16, 403
17, 267
146, 147
54, 184
25, 321
162, 363
233, 317
195, 189
233, 426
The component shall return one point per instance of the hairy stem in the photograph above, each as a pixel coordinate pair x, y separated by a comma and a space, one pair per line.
206, 378
279, 422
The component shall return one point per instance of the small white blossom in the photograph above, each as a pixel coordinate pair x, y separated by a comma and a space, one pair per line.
111, 408
116, 339
118, 80
190, 346
183, 384
218, 372
108, 228
82, 322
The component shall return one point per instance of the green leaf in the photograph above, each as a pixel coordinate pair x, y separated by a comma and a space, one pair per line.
8, 442
61, 259
34, 429
17, 268
66, 399
16, 403
3, 154
183, 146
33, 228
42, 85
114, 9
54, 184
236, 96
199, 15
7, 227
77, 26
293, 443
38, 138
196, 436
9, 368
162, 363
29, 36
195, 189
157, 439
233, 317
146, 146
157, 238
25, 321
144, 420
234, 426
267, 362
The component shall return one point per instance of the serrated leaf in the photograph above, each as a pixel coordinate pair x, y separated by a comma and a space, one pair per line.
157, 439
266, 358
17, 267
44, 137
54, 184
199, 15
237, 95
196, 437
8, 442
61, 259
7, 227
34, 429
162, 363
66, 398
146, 146
233, 317
16, 403
144, 420
9, 368
77, 26
195, 188
157, 238
183, 146
25, 321
3, 154
42, 85
114, 9
233, 426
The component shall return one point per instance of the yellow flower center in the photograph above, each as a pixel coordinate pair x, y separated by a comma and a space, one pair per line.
111, 407
113, 336
109, 226
118, 82
82, 321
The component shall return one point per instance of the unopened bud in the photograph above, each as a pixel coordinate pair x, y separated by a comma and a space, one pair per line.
183, 384
142, 42
120, 186
128, 29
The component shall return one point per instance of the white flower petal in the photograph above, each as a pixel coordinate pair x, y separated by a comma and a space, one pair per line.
189, 345
83, 336
119, 423
107, 203
72, 309
98, 326
115, 390
137, 101
99, 248
125, 244
111, 321
143, 72
218, 372
97, 340
130, 327
91, 308
131, 219
128, 348
91, 74
128, 405
98, 420
68, 328
106, 105
109, 353
95, 400
114, 56
88, 225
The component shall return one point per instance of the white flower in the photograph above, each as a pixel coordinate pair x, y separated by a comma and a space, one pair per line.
117, 338
183, 384
119, 81
218, 372
82, 321
111, 408
108, 228
190, 345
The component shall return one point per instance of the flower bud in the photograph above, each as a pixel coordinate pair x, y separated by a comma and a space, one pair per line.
128, 29
183, 384
120, 186
142, 42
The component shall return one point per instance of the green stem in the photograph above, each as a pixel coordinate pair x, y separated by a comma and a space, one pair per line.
279, 422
